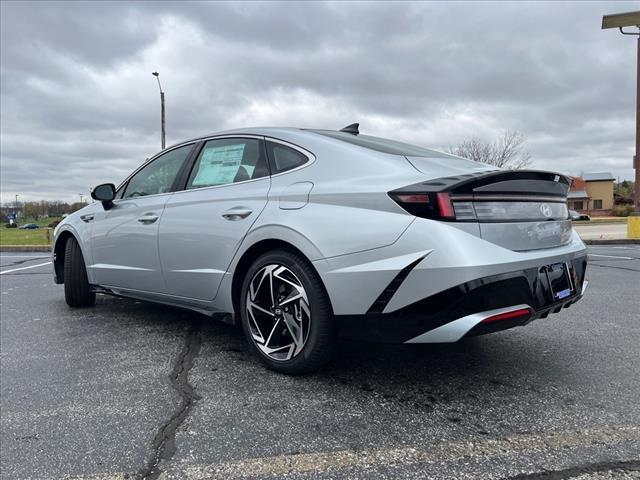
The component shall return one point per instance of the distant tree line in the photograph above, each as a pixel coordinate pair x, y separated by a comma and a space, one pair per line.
40, 209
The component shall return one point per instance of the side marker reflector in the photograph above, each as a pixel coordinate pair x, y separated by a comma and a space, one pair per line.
522, 312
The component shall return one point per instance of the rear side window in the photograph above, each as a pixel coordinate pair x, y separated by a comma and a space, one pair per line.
228, 160
284, 158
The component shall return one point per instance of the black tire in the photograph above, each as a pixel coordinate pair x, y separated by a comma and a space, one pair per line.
77, 291
321, 342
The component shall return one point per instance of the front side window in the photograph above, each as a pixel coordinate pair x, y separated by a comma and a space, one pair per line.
158, 176
228, 160
285, 158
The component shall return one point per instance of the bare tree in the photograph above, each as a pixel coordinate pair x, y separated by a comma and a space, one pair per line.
507, 151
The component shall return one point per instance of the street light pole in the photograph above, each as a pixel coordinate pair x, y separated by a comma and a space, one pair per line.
622, 21
157, 75
636, 163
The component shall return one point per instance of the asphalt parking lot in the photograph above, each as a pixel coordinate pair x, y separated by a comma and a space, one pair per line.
130, 390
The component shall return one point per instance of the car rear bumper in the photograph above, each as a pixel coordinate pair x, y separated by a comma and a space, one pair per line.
471, 308
429, 257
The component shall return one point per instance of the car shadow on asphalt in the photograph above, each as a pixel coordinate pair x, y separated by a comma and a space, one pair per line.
483, 384
503, 360
474, 355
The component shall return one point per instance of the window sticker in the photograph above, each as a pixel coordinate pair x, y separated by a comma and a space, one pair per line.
219, 165
249, 169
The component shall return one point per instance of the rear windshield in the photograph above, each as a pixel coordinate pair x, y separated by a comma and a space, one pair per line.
384, 145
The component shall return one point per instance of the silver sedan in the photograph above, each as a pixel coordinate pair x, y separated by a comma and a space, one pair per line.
304, 236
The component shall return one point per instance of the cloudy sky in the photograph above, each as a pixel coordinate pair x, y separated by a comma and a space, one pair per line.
79, 105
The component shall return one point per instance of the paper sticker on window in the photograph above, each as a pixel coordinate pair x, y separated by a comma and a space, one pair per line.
219, 165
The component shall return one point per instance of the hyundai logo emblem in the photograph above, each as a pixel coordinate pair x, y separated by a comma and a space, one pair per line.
546, 210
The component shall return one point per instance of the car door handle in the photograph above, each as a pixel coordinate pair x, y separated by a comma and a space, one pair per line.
86, 218
148, 218
237, 213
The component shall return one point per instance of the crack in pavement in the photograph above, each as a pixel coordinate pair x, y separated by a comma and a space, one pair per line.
591, 264
630, 466
20, 262
163, 445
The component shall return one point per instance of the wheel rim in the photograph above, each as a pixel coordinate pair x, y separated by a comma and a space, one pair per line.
278, 312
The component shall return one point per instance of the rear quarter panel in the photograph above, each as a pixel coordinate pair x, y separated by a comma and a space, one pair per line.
347, 209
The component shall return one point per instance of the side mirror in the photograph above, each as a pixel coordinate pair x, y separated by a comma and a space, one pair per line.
104, 193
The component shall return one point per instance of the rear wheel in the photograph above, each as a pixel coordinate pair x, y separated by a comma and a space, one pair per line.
77, 291
286, 314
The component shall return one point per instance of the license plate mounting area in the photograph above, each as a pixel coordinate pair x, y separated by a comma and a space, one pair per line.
559, 281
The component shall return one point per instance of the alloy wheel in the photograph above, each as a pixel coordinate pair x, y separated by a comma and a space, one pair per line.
278, 312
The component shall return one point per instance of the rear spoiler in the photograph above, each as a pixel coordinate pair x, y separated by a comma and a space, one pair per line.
502, 182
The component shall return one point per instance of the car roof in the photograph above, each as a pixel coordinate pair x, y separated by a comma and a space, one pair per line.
295, 135
262, 131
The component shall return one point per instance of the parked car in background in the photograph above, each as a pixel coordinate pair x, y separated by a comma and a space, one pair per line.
304, 235
28, 226
578, 216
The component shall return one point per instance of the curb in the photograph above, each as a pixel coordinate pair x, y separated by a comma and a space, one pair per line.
25, 248
613, 241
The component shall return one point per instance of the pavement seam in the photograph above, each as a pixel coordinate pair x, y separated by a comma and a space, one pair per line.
163, 445
572, 472
323, 462
591, 264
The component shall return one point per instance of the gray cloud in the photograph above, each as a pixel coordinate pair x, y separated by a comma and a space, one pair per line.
79, 106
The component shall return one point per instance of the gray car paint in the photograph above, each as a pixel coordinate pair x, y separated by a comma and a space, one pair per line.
196, 243
124, 251
335, 210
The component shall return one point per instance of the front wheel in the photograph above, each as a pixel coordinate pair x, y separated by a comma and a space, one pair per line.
286, 314
77, 291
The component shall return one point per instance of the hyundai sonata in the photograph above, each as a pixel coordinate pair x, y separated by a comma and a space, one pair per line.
304, 236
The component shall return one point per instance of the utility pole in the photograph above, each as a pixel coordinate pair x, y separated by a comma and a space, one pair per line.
636, 162
157, 75
17, 202
81, 195
621, 21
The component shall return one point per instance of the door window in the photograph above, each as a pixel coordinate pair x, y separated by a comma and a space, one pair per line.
158, 176
228, 160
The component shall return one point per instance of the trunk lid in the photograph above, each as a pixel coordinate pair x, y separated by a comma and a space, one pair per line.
517, 209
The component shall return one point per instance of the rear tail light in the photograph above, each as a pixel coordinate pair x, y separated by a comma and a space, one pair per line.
413, 198
488, 196
481, 208
445, 206
426, 205
513, 314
